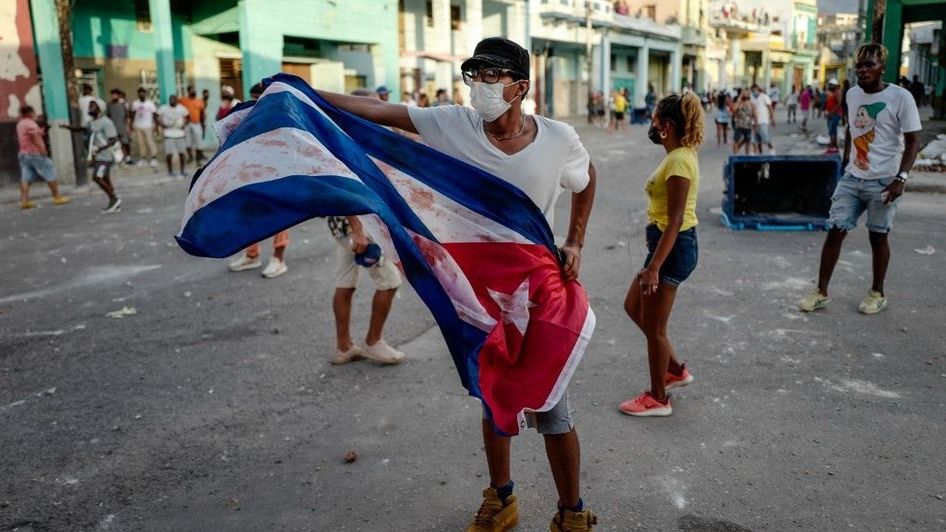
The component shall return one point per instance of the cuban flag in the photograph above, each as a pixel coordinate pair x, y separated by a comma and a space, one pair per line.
476, 249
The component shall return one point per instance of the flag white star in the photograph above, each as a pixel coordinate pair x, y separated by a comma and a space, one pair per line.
514, 307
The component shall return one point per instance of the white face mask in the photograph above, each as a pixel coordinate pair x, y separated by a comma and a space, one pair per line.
487, 99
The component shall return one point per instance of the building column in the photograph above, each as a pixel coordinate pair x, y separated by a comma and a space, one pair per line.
643, 64
604, 63
160, 11
261, 46
55, 98
766, 71
735, 54
893, 38
676, 65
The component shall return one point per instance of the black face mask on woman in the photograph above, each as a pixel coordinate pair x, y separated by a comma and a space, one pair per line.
654, 135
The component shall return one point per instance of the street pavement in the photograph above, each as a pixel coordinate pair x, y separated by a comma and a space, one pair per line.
214, 407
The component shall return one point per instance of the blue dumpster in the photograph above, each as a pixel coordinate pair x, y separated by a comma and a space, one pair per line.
779, 192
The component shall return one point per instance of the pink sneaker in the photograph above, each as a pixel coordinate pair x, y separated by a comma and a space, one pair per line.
646, 404
678, 381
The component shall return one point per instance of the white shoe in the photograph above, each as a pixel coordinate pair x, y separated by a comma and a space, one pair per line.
382, 353
274, 268
344, 357
244, 263
154, 162
113, 206
141, 162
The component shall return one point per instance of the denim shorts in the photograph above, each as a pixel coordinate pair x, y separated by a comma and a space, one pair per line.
682, 259
762, 134
34, 166
742, 133
853, 196
833, 121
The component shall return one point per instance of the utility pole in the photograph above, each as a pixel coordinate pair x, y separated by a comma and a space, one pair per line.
64, 16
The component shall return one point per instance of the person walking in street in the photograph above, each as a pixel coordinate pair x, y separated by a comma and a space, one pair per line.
723, 118
34, 159
672, 248
832, 113
791, 104
144, 111
764, 116
172, 118
117, 112
650, 100
883, 131
249, 259
102, 137
744, 121
620, 107
542, 157
804, 102
353, 252
194, 130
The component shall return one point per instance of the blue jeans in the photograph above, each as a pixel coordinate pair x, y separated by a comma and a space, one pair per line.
853, 196
682, 259
833, 121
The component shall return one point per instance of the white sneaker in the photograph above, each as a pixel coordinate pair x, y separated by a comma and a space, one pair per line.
154, 162
244, 263
344, 357
113, 206
382, 353
873, 303
274, 268
142, 162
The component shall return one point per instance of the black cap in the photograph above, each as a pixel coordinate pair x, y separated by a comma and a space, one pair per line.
499, 52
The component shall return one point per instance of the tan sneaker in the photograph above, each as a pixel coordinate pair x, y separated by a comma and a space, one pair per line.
382, 353
813, 301
873, 303
61, 200
27, 205
569, 521
494, 515
244, 263
344, 357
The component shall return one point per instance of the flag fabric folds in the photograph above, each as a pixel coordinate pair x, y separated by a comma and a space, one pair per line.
476, 249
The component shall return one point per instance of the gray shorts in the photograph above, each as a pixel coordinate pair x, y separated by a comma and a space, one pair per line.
175, 146
558, 420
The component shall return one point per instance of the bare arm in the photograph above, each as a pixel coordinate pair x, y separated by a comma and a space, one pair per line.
372, 109
677, 190
359, 240
911, 146
847, 148
578, 223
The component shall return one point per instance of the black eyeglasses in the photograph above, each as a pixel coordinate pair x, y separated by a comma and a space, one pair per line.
488, 75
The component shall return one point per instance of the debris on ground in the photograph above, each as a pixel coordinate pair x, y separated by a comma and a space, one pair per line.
124, 311
350, 457
928, 250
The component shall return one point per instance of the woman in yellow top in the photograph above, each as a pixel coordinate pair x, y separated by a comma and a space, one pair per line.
677, 125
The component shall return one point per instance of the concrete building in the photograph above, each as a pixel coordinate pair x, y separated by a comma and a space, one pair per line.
923, 59
209, 43
577, 45
19, 80
773, 44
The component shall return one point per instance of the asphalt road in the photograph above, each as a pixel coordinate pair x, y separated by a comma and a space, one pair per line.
215, 408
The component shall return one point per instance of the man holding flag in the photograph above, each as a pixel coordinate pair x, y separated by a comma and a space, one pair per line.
542, 157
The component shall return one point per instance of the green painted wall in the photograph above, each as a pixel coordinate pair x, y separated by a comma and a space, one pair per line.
96, 24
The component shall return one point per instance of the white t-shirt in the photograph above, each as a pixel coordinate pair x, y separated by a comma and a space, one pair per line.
172, 120
555, 160
877, 124
762, 104
144, 113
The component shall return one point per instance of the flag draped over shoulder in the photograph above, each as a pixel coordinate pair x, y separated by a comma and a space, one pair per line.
476, 249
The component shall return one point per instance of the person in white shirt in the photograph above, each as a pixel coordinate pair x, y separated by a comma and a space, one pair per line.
765, 116
172, 118
87, 96
883, 130
143, 110
544, 158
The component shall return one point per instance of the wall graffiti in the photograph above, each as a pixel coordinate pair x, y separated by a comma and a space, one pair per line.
19, 83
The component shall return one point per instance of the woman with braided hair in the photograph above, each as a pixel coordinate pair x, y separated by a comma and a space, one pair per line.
677, 125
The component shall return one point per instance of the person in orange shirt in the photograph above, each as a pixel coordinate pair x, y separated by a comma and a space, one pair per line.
194, 130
